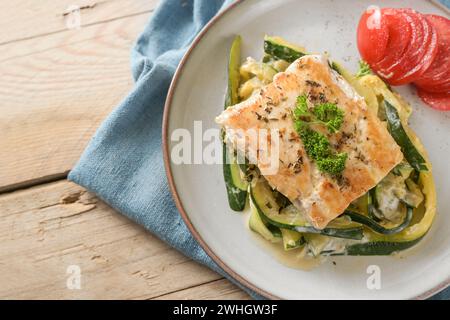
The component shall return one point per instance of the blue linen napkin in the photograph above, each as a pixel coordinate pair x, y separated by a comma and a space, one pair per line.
127, 146
445, 3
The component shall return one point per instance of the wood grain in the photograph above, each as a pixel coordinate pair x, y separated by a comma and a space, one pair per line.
27, 19
56, 86
52, 101
221, 289
45, 229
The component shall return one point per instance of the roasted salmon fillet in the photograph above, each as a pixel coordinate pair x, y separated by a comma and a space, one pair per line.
371, 151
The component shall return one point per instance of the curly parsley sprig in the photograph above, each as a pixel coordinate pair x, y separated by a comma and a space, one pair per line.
327, 114
316, 144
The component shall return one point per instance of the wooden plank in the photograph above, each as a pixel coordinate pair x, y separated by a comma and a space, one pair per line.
215, 290
26, 19
53, 100
46, 229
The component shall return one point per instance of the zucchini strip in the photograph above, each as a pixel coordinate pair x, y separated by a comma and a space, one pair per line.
261, 197
292, 239
236, 196
378, 248
371, 202
236, 187
256, 224
368, 222
379, 244
399, 134
281, 49
234, 64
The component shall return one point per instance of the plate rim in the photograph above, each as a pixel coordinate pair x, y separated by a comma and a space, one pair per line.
166, 157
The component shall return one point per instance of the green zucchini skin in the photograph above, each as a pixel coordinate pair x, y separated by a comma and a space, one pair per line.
236, 197
234, 63
243, 166
276, 232
371, 204
397, 131
281, 52
335, 67
368, 222
355, 233
378, 248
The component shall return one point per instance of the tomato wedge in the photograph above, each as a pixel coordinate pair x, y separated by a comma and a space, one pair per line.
439, 71
399, 26
438, 101
372, 35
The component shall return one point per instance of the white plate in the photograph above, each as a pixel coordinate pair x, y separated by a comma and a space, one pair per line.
197, 94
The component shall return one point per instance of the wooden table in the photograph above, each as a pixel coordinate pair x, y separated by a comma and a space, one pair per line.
57, 83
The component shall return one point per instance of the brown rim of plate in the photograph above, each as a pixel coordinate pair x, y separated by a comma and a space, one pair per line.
171, 181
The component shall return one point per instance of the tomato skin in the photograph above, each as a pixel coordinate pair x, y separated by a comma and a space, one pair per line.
443, 86
372, 35
420, 54
420, 51
399, 27
439, 71
438, 101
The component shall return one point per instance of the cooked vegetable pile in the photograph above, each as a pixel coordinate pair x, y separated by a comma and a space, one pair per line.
393, 216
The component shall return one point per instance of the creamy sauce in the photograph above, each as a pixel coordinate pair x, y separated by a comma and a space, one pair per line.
295, 258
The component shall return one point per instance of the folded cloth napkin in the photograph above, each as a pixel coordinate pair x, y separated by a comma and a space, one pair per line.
127, 146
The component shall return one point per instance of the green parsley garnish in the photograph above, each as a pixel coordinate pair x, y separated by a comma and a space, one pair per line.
364, 69
316, 144
330, 115
327, 114
333, 164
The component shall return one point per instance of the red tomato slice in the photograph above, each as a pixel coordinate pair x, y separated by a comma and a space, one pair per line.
420, 54
399, 26
433, 48
372, 35
439, 101
443, 86
439, 70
